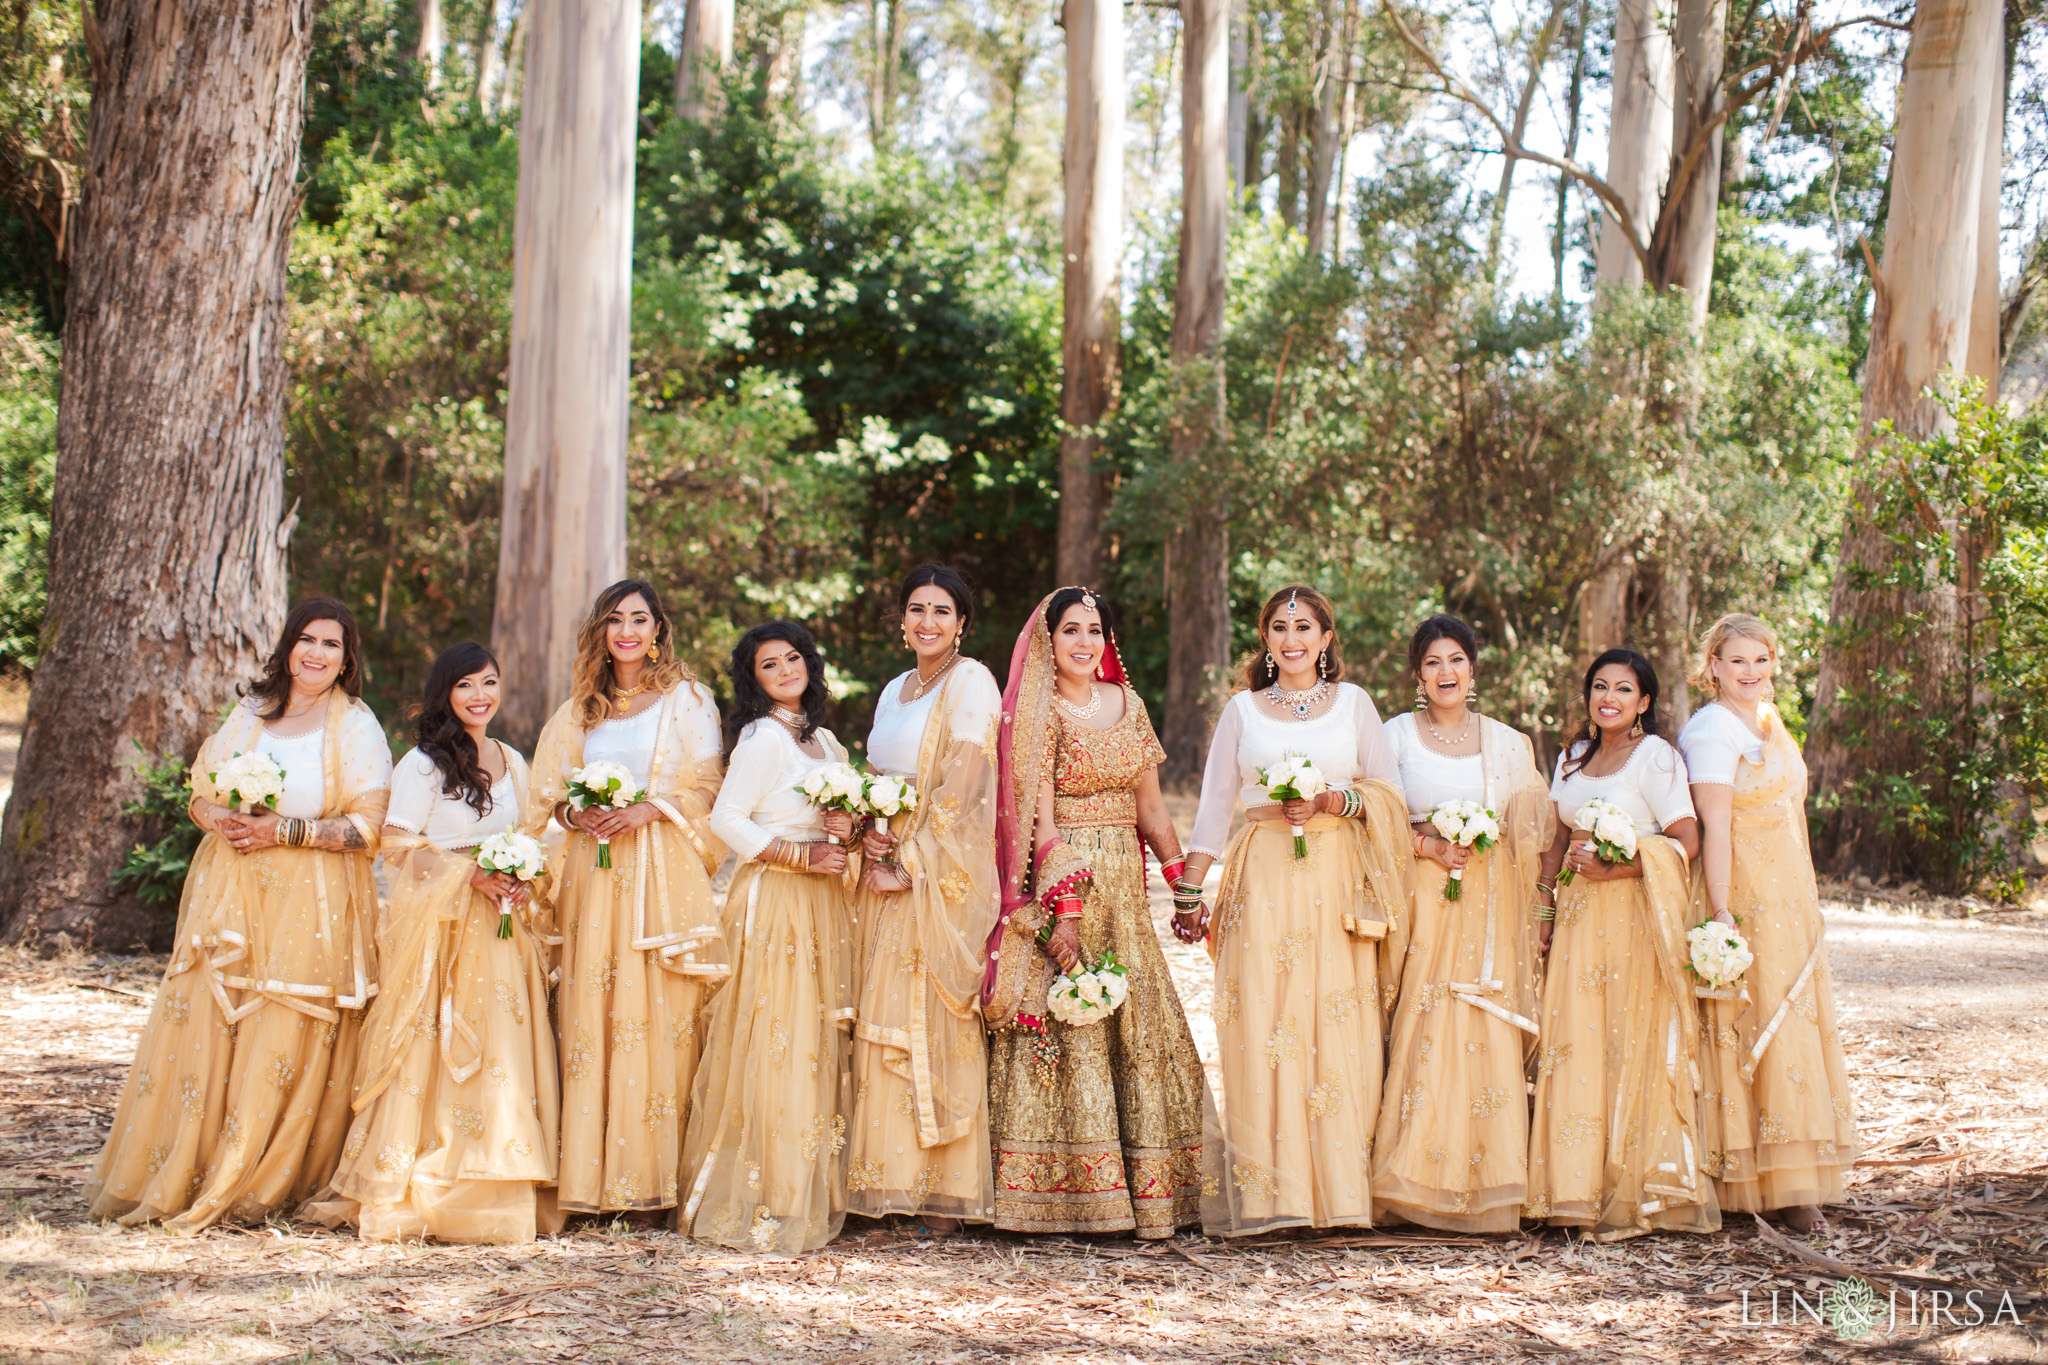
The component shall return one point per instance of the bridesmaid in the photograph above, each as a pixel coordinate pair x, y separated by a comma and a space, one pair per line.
641, 950
1453, 1141
238, 1100
918, 1143
1109, 1137
1777, 1125
1307, 950
765, 1152
1614, 1147
456, 1096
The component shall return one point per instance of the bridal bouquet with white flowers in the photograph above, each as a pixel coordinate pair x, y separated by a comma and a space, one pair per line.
836, 786
515, 855
1468, 825
885, 796
603, 785
1294, 778
249, 780
1719, 954
1614, 834
1078, 999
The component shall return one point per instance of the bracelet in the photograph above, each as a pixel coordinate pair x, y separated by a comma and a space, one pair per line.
1545, 914
296, 833
1354, 802
1067, 888
1067, 907
1172, 871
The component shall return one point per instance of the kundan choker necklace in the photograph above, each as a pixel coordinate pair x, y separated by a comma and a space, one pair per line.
622, 693
1081, 712
1300, 703
794, 720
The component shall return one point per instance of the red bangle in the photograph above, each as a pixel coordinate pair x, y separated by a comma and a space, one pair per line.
1172, 871
1067, 907
1067, 888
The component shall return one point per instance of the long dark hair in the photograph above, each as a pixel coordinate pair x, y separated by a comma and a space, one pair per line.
750, 700
441, 734
274, 688
1589, 733
1260, 670
940, 576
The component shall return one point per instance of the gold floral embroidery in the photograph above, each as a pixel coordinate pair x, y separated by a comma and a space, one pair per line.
1478, 1157
280, 1073
955, 885
191, 1095
576, 1062
815, 1135
1771, 1129
762, 1234
1840, 1108
927, 1180
1228, 1002
660, 1108
1327, 1098
1827, 1151
357, 1140
155, 1158
622, 1190
906, 1104
912, 961
1436, 1154
864, 1175
778, 1042
467, 1119
603, 973
498, 1074
1806, 1004
266, 875
1288, 951
395, 1159
509, 1001
967, 1044
1410, 1098
682, 1029
1577, 1129
1487, 1103
1254, 1179
1714, 1163
1427, 994
177, 1008
1339, 1006
1539, 1207
1593, 981
945, 811
1550, 1059
1285, 1044
628, 1034
518, 1147
230, 1129
753, 1175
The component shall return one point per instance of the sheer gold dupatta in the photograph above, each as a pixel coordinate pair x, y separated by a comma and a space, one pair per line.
1017, 975
1516, 793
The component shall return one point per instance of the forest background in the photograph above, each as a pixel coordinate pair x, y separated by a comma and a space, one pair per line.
847, 351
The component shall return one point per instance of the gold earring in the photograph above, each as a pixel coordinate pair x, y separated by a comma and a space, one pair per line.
653, 653
1421, 696
1323, 663
1636, 730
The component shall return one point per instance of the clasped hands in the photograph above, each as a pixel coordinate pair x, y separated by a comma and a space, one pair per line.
609, 823
501, 887
881, 874
245, 832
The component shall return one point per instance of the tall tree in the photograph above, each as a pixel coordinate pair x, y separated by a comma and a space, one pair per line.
563, 531
1094, 240
1685, 255
1638, 138
1927, 290
168, 526
1198, 548
433, 38
704, 51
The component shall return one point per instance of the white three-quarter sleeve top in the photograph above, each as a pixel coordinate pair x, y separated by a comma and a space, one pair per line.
1714, 742
1651, 787
1347, 743
1429, 778
420, 802
898, 733
305, 772
759, 801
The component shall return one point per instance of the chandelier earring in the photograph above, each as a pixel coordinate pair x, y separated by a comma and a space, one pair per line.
1636, 731
653, 653
1323, 663
1421, 696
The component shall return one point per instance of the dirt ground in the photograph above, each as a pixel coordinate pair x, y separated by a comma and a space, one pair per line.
1946, 1022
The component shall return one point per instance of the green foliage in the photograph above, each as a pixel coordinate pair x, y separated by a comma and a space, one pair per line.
155, 872
28, 464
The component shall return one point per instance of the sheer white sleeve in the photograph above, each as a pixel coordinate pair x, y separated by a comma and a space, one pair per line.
415, 785
750, 775
975, 700
1664, 786
697, 718
365, 753
1376, 757
1220, 783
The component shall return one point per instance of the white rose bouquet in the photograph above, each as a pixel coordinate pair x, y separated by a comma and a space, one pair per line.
1468, 825
1719, 955
515, 855
602, 786
836, 786
885, 797
1294, 778
1078, 999
248, 781
1614, 834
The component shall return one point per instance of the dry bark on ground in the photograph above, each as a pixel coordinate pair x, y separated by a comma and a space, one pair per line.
1948, 1037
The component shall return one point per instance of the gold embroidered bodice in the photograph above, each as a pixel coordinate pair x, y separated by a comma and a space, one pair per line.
1095, 773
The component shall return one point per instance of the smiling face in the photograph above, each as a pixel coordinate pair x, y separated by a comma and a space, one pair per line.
1615, 700
630, 629
1078, 642
931, 623
1742, 670
317, 656
1446, 673
474, 699
1296, 640
780, 669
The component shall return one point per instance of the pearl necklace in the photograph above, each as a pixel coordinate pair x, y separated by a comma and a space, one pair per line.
1081, 712
1438, 736
923, 686
1300, 703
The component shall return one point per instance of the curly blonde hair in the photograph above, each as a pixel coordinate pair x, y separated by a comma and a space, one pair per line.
593, 685
1736, 625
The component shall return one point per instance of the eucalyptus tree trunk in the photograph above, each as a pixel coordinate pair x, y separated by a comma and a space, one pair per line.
1239, 116
1639, 135
433, 38
1926, 296
168, 523
1985, 357
1094, 239
1323, 115
1197, 548
489, 61
704, 51
1686, 260
563, 531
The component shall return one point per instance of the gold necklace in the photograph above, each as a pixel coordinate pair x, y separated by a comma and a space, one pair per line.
924, 686
792, 719
1081, 712
623, 693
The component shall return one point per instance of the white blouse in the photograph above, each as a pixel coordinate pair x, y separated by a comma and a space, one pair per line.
759, 801
631, 742
1347, 742
1714, 741
898, 732
1651, 787
420, 802
305, 775
1429, 778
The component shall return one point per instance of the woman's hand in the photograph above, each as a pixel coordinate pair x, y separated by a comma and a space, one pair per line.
839, 827
826, 857
1726, 920
1064, 947
1309, 807
1191, 926
1444, 853
1585, 863
885, 878
501, 886
878, 842
251, 833
1543, 938
610, 824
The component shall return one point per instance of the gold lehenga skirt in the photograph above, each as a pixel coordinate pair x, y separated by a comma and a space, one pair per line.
1114, 1142
627, 1020
1611, 1141
765, 1151
237, 1120
459, 1144
1776, 1118
1299, 1026
1452, 1148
